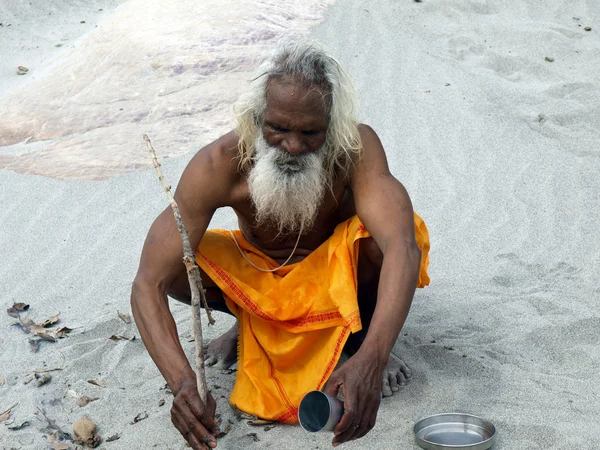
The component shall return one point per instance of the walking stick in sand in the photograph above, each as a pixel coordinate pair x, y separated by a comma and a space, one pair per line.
193, 277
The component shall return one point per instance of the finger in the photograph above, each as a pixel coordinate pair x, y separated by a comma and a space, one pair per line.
350, 408
386, 390
348, 434
199, 434
350, 420
188, 433
201, 413
332, 387
368, 421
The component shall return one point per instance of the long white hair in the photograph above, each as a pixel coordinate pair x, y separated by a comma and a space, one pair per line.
307, 62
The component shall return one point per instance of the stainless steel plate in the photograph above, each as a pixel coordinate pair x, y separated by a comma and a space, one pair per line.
454, 430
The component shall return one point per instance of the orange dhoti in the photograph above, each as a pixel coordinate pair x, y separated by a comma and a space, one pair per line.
294, 322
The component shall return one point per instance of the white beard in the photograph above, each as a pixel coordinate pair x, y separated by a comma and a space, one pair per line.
287, 190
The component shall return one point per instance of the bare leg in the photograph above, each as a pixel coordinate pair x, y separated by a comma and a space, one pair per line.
222, 351
396, 373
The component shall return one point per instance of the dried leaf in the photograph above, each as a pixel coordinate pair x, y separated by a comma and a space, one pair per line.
22, 70
42, 378
60, 446
4, 415
30, 327
18, 426
46, 335
114, 437
268, 427
97, 383
51, 321
120, 337
84, 431
2, 381
84, 400
47, 370
57, 432
226, 430
17, 308
244, 415
63, 332
29, 378
259, 422
35, 345
254, 436
139, 417
167, 389
161, 402
52, 437
124, 317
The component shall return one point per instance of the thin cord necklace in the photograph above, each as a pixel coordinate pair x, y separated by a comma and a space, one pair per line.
267, 270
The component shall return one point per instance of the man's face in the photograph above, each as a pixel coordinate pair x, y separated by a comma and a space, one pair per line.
296, 118
288, 179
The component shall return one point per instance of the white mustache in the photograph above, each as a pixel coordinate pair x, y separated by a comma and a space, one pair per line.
287, 190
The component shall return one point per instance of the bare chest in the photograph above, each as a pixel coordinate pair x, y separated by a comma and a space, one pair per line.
336, 207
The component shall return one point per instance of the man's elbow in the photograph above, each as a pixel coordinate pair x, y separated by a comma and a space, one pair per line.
141, 288
414, 254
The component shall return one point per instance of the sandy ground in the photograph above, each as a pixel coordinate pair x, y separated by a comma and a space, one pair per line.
498, 147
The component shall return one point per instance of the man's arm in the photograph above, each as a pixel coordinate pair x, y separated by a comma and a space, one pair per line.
384, 207
205, 185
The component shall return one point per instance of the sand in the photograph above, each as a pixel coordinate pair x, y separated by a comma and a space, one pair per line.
497, 146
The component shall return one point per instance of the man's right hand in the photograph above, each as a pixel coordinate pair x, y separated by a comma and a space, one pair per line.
194, 420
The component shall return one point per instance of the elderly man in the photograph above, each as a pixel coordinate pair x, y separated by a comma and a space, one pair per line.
327, 257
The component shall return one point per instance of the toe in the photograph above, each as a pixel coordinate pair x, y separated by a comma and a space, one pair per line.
405, 370
386, 390
394, 382
401, 379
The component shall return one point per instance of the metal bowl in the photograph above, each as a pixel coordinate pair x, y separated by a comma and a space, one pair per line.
454, 431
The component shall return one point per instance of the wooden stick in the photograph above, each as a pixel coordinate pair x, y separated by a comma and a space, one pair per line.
193, 277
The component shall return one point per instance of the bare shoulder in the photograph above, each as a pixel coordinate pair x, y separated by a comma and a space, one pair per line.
370, 140
373, 160
212, 174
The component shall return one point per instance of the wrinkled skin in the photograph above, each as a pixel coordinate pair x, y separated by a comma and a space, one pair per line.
361, 381
192, 418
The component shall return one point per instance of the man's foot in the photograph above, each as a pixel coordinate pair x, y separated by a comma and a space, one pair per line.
222, 351
395, 376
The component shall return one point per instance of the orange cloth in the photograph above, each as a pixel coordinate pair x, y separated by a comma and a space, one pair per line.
293, 323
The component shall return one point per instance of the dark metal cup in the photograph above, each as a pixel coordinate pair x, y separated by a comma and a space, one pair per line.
320, 412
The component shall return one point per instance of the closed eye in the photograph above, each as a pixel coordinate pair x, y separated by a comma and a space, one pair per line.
277, 128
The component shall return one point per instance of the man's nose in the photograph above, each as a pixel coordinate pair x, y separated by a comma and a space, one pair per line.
293, 145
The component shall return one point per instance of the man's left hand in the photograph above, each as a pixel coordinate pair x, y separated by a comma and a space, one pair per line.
360, 377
